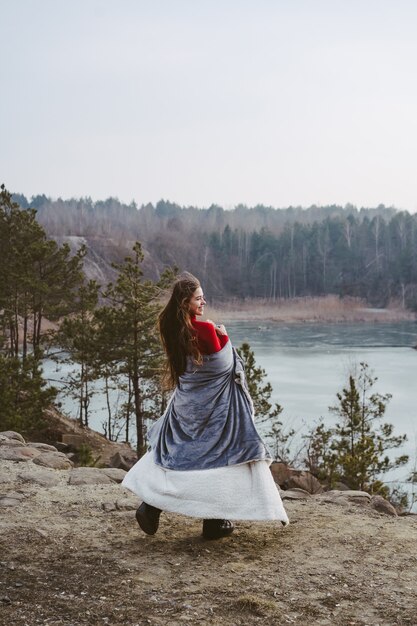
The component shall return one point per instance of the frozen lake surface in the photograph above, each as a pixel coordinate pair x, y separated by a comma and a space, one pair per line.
307, 364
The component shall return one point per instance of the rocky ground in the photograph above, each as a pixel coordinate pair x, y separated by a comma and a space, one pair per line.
71, 553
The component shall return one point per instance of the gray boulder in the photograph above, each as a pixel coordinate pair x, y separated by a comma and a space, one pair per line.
18, 453
43, 477
383, 506
55, 460
345, 497
89, 476
304, 480
123, 460
360, 497
281, 472
42, 446
295, 494
10, 443
114, 473
11, 434
289, 478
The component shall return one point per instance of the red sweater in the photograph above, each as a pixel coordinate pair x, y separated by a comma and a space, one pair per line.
207, 338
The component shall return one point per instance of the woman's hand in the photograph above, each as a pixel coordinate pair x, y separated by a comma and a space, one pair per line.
219, 328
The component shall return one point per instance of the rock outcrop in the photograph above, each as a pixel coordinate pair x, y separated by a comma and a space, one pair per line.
55, 460
302, 485
65, 453
68, 436
43, 462
289, 478
46, 467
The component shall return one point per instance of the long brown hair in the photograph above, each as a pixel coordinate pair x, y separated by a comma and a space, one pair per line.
176, 330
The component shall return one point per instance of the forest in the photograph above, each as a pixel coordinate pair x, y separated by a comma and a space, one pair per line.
107, 333
257, 252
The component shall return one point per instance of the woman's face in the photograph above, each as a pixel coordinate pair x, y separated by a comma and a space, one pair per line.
197, 302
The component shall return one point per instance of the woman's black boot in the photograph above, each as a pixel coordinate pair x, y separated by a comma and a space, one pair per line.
147, 517
217, 528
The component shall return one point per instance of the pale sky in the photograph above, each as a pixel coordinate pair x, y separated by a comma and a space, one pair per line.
279, 102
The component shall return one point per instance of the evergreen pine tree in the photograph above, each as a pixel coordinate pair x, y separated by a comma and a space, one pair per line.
355, 450
23, 395
359, 445
36, 279
137, 348
77, 336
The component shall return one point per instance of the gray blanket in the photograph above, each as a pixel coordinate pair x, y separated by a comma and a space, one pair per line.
209, 420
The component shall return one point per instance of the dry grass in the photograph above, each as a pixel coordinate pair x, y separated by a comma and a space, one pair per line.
256, 605
309, 309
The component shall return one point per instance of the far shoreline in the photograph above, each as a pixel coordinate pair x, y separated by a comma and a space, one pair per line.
324, 309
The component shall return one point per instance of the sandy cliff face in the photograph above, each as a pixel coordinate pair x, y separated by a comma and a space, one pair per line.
102, 252
72, 554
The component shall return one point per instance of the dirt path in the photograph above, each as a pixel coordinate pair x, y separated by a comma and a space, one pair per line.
65, 561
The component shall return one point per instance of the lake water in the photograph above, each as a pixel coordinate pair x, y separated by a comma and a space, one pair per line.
307, 364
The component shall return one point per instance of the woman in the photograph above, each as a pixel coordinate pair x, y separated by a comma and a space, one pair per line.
206, 458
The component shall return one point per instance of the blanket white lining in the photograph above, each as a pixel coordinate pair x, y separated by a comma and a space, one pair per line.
237, 492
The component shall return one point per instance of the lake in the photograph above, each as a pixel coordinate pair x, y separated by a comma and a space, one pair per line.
307, 364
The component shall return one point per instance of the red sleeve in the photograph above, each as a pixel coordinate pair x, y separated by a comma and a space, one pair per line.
223, 340
208, 339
